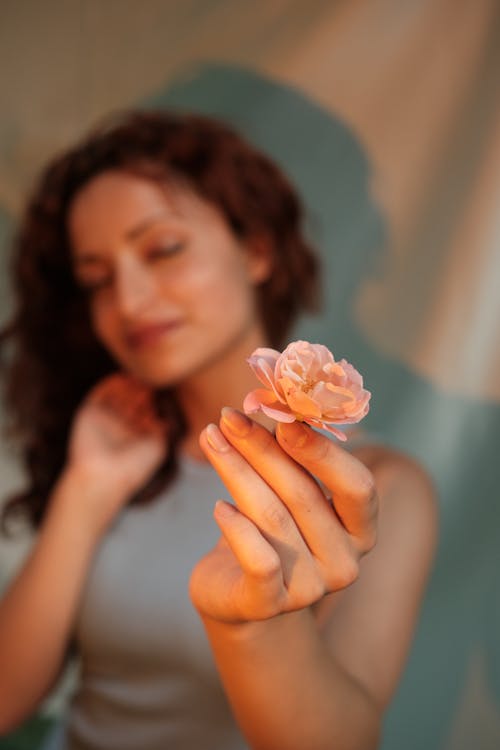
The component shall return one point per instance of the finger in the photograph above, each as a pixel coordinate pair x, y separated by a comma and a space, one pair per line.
301, 494
141, 413
255, 555
350, 482
312, 565
253, 496
275, 585
130, 400
120, 387
245, 572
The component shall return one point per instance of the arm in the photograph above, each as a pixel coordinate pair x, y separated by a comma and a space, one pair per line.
319, 676
116, 443
369, 626
37, 611
287, 690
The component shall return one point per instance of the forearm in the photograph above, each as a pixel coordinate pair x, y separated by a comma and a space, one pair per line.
37, 612
286, 691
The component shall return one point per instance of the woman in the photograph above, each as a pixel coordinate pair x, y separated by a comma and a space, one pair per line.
154, 257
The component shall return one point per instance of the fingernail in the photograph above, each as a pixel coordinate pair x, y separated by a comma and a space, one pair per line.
294, 433
216, 439
236, 422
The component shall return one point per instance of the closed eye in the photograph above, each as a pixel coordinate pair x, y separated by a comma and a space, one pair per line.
91, 283
164, 251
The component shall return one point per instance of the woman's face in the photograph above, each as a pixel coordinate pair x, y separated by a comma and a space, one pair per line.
171, 289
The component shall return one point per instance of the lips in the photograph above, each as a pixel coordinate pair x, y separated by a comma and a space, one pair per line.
149, 333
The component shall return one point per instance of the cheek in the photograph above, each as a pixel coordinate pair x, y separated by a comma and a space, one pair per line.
222, 283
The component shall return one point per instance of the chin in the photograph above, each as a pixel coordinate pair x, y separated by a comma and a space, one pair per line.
160, 368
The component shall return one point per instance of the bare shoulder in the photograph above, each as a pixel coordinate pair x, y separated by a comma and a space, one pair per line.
370, 625
407, 494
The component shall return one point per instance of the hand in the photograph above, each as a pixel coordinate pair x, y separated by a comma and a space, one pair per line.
285, 544
117, 441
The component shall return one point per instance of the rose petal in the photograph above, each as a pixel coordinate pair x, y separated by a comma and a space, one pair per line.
286, 385
351, 409
333, 430
305, 382
331, 397
301, 403
292, 371
264, 370
278, 414
334, 369
254, 400
351, 373
264, 352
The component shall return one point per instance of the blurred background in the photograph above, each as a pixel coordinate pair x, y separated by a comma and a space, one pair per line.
387, 116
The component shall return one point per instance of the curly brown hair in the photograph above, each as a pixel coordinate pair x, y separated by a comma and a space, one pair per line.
53, 357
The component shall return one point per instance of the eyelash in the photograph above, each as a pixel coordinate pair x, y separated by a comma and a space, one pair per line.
163, 251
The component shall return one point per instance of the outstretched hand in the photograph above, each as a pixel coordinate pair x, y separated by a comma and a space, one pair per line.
284, 544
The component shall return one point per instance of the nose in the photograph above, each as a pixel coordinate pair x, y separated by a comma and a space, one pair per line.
135, 286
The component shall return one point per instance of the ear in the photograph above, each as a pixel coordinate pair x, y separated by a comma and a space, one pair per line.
260, 258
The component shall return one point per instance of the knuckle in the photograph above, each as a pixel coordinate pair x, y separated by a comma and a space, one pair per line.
316, 590
366, 483
306, 595
276, 517
364, 492
369, 540
350, 571
344, 573
265, 567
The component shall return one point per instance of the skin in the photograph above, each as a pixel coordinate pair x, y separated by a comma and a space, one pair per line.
287, 593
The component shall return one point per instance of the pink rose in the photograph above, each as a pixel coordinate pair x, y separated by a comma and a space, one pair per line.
305, 383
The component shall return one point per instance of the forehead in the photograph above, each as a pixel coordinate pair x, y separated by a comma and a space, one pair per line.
114, 203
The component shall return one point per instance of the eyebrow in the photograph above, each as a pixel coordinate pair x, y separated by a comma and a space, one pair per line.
144, 225
131, 234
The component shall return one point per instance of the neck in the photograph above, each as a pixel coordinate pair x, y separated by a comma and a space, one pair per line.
225, 382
